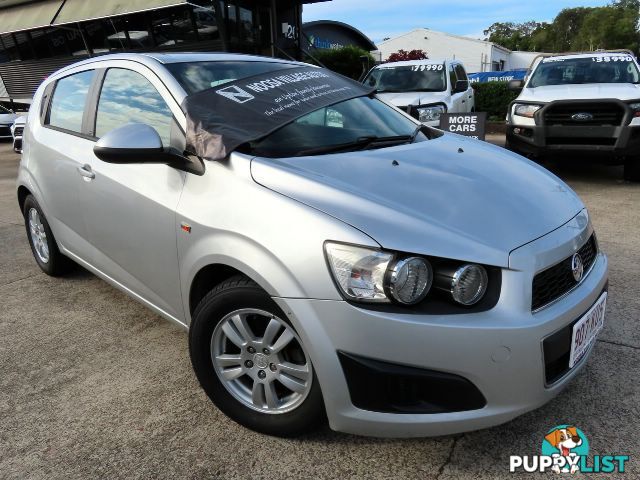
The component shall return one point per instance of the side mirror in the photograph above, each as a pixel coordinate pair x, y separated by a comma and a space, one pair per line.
140, 143
132, 143
461, 86
515, 85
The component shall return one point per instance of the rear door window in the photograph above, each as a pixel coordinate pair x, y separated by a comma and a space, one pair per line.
69, 100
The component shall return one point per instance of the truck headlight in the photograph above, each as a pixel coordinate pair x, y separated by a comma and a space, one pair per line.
430, 114
525, 110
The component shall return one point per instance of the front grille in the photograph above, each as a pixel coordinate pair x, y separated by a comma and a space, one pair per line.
554, 282
17, 132
5, 131
602, 113
603, 141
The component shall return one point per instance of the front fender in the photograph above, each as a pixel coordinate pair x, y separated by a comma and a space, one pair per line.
276, 241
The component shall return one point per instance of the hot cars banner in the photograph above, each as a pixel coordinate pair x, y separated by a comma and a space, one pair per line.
222, 118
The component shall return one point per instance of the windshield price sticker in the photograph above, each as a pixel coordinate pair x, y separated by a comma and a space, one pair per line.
429, 67
617, 58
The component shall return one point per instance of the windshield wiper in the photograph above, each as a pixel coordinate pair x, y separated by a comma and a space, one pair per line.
362, 143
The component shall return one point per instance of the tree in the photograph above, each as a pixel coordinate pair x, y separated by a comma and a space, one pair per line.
609, 27
403, 55
344, 60
514, 36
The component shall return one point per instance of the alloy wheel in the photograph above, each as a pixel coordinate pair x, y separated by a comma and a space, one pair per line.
260, 360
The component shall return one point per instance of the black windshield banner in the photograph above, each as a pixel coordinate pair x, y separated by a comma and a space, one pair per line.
222, 118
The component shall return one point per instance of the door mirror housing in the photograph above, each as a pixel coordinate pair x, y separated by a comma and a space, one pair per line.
461, 86
140, 143
515, 85
131, 143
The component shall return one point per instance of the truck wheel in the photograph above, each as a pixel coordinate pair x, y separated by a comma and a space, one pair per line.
632, 169
43, 244
251, 362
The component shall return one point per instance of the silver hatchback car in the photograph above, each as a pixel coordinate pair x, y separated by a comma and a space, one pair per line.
349, 265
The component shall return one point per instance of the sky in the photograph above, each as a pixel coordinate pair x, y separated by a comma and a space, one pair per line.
379, 19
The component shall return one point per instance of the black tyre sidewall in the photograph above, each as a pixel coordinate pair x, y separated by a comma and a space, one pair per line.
235, 296
632, 169
58, 263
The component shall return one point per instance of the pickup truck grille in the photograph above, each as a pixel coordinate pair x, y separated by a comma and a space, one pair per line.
602, 114
555, 281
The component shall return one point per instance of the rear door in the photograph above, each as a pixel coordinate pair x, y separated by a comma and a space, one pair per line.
129, 209
58, 154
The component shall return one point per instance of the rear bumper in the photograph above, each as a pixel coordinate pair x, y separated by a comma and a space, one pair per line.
500, 352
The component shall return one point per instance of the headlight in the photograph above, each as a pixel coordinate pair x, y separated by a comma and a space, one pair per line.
636, 109
467, 284
369, 275
523, 110
359, 271
430, 114
410, 280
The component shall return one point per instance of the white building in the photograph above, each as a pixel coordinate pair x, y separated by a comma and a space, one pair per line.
477, 55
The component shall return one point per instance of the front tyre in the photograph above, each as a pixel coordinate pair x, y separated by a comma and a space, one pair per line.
632, 169
251, 362
43, 244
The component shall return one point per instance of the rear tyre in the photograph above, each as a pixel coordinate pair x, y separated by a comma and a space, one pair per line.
252, 363
632, 169
43, 244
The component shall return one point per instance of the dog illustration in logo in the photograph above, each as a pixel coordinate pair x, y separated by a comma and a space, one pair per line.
565, 440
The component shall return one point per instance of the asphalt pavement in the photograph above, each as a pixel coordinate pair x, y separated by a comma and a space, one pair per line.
94, 385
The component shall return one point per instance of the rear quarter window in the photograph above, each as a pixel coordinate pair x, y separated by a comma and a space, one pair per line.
69, 100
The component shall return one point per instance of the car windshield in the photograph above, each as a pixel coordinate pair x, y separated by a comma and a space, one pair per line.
408, 78
355, 124
596, 69
197, 76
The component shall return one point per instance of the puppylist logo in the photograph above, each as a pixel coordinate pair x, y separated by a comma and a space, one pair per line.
565, 449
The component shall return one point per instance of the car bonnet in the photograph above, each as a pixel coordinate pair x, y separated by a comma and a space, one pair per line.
448, 197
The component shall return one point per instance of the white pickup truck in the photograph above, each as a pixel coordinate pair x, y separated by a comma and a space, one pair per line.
425, 89
585, 104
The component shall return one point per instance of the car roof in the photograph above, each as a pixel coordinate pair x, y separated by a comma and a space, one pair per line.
151, 59
566, 56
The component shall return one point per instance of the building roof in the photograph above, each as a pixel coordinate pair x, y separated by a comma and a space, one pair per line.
365, 40
462, 37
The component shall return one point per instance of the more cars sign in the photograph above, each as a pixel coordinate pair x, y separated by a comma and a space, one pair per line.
467, 124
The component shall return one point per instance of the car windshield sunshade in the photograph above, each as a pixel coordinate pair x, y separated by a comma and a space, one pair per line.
222, 118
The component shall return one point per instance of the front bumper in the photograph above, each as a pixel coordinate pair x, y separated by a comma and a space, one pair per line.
499, 351
540, 137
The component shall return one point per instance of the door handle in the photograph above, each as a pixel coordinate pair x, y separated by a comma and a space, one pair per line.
86, 171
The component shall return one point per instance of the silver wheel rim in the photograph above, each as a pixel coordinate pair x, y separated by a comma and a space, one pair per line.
38, 236
261, 361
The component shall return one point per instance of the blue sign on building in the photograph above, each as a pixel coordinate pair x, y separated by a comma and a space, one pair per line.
483, 77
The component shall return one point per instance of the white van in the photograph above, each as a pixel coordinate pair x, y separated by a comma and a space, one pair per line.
425, 89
